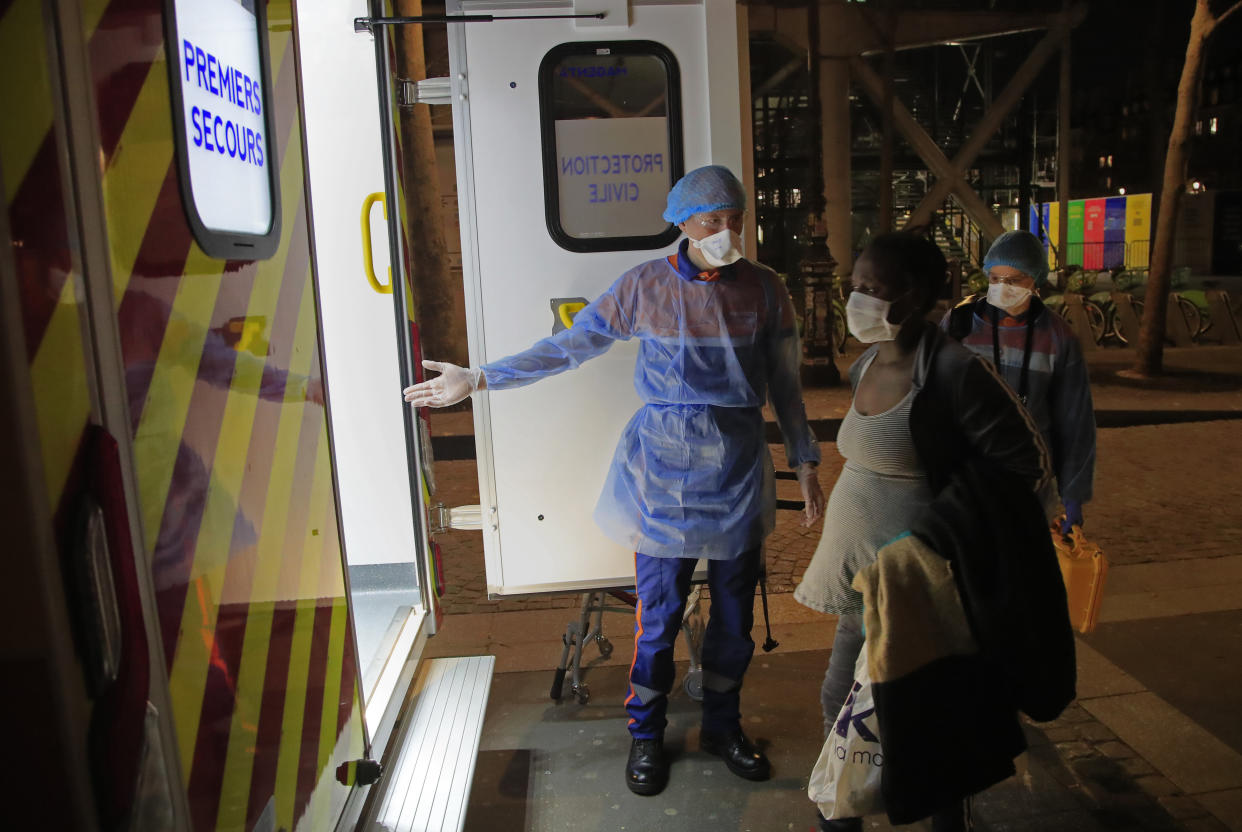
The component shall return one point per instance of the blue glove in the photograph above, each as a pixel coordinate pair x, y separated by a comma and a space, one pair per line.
1073, 515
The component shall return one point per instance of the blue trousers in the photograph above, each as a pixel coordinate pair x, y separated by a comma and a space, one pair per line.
662, 586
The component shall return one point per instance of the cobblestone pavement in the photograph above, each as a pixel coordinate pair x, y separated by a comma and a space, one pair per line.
1163, 492
1084, 757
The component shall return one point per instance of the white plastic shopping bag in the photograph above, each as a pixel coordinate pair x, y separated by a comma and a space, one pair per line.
845, 782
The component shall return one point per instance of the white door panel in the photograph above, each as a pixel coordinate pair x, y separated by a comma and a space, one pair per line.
544, 449
344, 165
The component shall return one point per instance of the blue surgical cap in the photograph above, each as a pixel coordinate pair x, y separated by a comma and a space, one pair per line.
710, 188
1019, 250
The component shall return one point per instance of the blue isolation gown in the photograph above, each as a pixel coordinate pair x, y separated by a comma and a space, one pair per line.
692, 476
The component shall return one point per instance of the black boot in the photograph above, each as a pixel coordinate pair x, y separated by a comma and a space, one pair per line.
954, 818
840, 824
646, 772
742, 758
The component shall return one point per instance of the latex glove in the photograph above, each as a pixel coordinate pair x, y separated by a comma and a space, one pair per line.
812, 494
450, 387
1073, 516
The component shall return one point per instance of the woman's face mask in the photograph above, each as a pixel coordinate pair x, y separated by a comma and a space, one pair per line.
720, 249
867, 317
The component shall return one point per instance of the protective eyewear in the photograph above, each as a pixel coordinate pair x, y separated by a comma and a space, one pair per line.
1011, 280
717, 222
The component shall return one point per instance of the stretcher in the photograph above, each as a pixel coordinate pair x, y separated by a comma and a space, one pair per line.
588, 627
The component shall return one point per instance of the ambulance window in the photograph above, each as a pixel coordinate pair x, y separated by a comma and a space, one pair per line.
222, 119
611, 120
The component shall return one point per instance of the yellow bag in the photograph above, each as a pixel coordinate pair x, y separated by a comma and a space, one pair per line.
1083, 567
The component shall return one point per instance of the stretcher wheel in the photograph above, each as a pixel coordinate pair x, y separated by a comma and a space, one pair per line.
693, 684
583, 693
605, 646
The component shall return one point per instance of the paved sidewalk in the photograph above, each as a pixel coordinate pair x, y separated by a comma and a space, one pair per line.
1124, 757
1155, 741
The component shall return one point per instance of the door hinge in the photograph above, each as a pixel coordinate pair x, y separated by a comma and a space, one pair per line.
462, 518
424, 91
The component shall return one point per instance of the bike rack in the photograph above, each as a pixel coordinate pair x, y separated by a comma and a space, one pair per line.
1176, 329
1224, 324
1077, 318
1127, 322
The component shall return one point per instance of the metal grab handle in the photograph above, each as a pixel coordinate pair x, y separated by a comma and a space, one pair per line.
567, 311
367, 266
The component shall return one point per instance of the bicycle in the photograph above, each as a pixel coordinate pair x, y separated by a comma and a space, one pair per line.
1191, 311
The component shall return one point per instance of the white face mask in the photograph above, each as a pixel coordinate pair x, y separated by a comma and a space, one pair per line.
720, 249
1007, 297
867, 317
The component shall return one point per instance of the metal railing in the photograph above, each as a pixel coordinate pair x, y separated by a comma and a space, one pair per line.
1099, 256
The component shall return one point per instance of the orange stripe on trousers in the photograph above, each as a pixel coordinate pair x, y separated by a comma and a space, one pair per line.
638, 633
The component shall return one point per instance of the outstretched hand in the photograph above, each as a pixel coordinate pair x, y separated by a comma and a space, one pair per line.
450, 387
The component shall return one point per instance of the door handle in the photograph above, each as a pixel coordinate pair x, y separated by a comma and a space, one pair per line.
563, 312
368, 267
567, 311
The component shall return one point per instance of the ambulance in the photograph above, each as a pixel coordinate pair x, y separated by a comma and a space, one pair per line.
220, 570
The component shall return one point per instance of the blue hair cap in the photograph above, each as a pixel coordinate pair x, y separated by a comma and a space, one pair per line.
710, 188
1019, 250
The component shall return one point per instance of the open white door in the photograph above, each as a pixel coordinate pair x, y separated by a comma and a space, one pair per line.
568, 135
381, 514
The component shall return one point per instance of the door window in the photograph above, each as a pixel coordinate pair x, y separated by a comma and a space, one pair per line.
611, 121
218, 68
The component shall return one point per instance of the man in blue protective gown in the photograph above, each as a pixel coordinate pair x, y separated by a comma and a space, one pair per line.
691, 477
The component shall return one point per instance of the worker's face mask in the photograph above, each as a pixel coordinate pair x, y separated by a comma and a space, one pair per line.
720, 249
1007, 296
867, 317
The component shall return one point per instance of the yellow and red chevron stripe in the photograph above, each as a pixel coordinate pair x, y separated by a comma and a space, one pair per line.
38, 204
230, 441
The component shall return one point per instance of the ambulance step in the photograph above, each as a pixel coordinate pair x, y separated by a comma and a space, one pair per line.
427, 785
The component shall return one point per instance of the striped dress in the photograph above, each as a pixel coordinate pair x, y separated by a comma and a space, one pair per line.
881, 489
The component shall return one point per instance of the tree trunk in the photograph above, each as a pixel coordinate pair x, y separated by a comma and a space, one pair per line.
437, 296
1158, 100
1150, 358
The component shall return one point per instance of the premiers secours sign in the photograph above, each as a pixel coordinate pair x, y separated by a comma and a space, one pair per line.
227, 146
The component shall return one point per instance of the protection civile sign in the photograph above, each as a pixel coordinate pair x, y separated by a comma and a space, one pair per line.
612, 174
